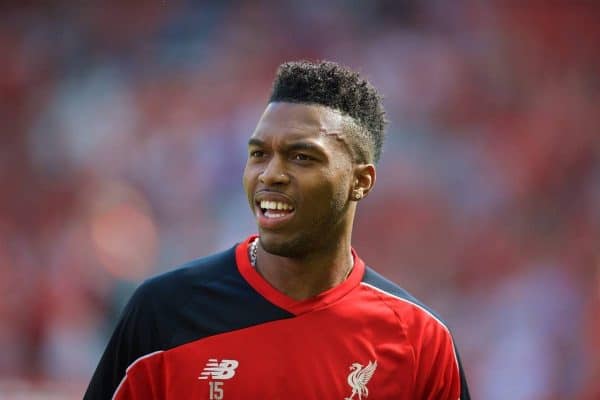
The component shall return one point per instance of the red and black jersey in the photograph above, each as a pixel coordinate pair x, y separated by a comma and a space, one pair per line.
215, 329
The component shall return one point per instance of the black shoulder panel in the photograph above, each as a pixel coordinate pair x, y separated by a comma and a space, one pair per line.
206, 297
202, 298
374, 279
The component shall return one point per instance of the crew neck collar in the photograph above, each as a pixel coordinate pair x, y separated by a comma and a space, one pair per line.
297, 307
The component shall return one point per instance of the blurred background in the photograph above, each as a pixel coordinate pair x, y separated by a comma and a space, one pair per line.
123, 138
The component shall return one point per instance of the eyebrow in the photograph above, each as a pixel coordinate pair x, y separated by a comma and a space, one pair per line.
301, 145
306, 146
255, 142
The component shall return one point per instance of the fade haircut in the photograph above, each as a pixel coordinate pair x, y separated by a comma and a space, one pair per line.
331, 85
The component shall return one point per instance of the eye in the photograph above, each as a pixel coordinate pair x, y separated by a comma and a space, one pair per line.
301, 157
257, 153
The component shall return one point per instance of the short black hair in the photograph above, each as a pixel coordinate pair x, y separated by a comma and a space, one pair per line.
335, 86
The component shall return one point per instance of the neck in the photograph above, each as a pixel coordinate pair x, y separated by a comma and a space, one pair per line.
305, 277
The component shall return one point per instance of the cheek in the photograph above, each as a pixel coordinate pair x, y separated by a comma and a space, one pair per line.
343, 182
248, 182
336, 189
340, 196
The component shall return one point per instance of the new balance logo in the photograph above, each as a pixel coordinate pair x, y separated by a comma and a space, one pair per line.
215, 369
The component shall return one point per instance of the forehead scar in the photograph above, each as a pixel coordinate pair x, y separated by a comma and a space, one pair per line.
340, 137
336, 134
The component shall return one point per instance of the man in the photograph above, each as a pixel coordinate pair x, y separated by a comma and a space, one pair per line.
292, 313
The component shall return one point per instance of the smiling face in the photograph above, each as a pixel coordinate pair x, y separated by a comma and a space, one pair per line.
299, 179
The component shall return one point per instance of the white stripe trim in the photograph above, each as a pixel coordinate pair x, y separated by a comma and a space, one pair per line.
131, 366
426, 312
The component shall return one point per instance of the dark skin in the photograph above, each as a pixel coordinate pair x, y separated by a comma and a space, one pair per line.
299, 155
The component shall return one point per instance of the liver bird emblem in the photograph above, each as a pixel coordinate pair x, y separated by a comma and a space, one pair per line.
358, 379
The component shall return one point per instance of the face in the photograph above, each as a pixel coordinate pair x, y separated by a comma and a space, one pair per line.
298, 178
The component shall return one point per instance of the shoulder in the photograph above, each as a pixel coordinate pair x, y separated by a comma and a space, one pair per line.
414, 314
177, 283
439, 368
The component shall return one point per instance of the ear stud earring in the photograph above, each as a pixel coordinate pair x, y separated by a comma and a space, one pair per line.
357, 195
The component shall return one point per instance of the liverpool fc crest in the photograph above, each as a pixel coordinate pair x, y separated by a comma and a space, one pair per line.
358, 379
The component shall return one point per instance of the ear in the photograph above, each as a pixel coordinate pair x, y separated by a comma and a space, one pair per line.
364, 180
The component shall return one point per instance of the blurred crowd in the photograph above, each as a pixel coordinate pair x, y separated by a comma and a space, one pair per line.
123, 129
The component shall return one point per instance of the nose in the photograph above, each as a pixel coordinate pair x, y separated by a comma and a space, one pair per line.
274, 173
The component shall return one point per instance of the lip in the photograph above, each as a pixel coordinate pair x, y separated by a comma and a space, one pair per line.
272, 196
272, 223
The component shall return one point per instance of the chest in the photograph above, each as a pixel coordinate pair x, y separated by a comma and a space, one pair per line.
322, 355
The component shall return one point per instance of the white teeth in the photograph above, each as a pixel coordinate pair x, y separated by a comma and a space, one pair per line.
275, 205
270, 214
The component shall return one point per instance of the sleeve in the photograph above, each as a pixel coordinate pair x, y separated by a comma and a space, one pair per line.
439, 374
143, 379
134, 336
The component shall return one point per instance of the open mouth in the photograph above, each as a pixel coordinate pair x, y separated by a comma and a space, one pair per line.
275, 209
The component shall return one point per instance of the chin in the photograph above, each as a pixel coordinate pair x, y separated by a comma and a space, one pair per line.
283, 247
